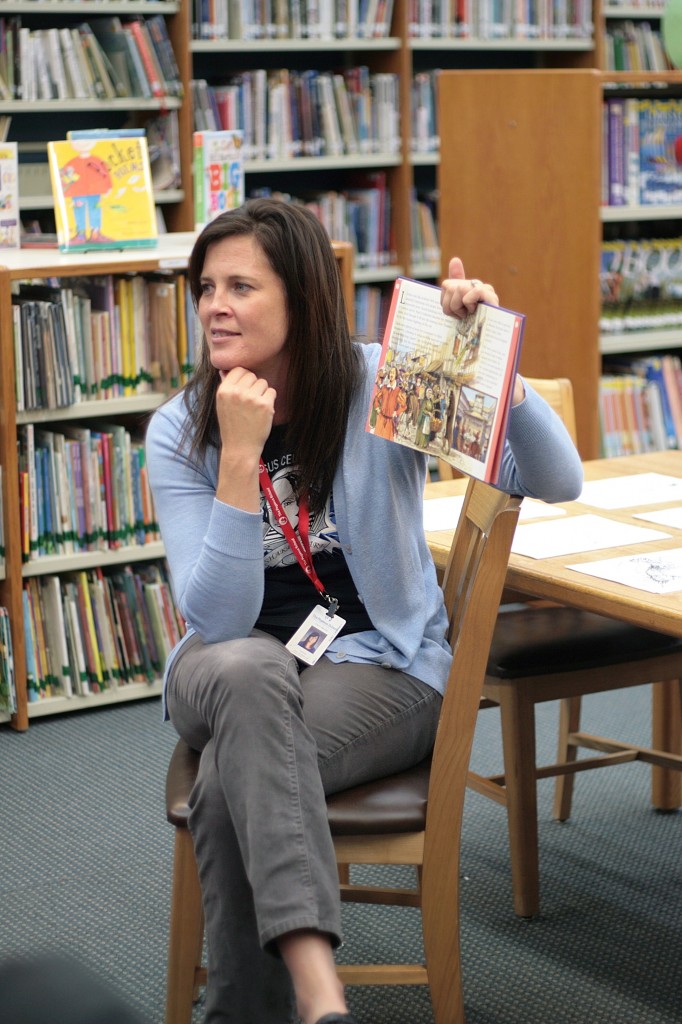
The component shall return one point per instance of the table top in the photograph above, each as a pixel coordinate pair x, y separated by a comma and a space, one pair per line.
550, 577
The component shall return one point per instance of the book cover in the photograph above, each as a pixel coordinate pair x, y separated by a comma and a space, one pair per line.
444, 386
102, 193
218, 173
9, 196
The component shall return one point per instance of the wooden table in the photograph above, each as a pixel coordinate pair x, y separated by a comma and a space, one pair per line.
550, 578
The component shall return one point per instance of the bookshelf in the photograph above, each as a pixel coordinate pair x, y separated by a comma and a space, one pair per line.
401, 52
35, 121
534, 150
171, 255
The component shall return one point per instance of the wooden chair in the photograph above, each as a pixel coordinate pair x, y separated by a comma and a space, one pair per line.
410, 818
544, 652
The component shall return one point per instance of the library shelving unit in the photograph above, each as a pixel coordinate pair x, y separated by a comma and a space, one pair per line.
401, 54
533, 149
36, 122
170, 255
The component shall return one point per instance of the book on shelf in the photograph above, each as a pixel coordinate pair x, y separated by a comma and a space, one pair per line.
9, 196
8, 693
444, 386
218, 174
102, 193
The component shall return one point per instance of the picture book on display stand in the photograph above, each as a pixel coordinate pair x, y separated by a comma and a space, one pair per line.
218, 173
444, 386
102, 190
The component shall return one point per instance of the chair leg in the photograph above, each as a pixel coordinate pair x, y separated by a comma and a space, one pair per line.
517, 717
186, 932
439, 881
666, 785
567, 753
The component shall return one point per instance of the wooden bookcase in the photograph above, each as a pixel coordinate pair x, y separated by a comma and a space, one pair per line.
519, 197
171, 254
34, 122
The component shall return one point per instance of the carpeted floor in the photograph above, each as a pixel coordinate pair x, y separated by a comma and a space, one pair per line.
85, 854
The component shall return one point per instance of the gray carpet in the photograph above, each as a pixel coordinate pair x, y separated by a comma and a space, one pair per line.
86, 852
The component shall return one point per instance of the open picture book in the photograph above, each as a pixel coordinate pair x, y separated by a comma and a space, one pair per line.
444, 386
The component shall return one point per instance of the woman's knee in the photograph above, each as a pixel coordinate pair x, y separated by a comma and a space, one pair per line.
245, 673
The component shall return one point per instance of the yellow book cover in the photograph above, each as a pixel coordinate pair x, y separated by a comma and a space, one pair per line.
102, 193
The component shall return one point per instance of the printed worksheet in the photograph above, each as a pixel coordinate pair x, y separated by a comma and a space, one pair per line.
577, 533
659, 572
664, 517
443, 513
628, 491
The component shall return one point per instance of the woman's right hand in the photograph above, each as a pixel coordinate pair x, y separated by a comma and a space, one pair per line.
245, 407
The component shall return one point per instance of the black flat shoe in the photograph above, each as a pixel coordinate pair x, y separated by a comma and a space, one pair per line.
337, 1018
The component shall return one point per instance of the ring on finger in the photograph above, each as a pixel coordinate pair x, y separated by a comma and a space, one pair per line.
475, 282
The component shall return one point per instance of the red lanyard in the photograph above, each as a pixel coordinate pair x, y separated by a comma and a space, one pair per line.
298, 542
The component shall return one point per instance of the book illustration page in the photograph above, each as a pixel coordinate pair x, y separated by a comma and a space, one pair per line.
442, 383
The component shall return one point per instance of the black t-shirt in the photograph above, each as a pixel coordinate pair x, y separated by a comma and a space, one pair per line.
289, 594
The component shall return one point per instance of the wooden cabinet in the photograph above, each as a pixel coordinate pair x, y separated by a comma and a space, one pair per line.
169, 257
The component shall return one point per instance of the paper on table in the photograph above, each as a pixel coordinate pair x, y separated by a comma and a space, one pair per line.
577, 533
658, 573
443, 513
664, 517
626, 491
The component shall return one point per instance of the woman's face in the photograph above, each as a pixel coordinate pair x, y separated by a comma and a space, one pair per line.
243, 309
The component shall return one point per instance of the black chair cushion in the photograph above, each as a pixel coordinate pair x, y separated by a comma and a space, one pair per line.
390, 805
180, 777
540, 641
394, 804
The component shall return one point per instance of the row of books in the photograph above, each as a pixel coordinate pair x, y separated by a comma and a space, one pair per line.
634, 47
648, 5
642, 146
8, 693
89, 631
82, 489
103, 337
640, 406
425, 242
360, 214
641, 284
286, 114
101, 59
372, 303
424, 136
292, 19
500, 19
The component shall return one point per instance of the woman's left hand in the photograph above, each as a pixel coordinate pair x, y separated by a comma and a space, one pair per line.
460, 294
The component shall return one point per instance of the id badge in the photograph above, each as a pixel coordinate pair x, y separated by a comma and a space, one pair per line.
314, 636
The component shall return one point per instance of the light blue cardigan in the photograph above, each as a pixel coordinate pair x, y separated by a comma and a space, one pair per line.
215, 551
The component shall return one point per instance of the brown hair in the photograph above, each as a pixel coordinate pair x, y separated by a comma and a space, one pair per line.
323, 369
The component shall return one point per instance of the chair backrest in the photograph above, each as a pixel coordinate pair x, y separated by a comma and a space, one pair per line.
558, 393
473, 584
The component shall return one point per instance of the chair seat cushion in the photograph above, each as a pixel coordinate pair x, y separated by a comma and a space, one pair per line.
180, 778
390, 805
394, 804
540, 641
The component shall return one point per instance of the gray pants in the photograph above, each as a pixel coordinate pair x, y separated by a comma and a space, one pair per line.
276, 737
